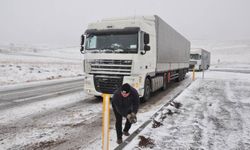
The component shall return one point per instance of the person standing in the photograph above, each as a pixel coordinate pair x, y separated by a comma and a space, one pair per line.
125, 103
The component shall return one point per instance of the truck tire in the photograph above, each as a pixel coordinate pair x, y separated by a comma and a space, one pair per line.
99, 98
181, 76
184, 76
147, 90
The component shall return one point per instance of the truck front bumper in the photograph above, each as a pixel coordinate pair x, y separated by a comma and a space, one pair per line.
89, 86
136, 82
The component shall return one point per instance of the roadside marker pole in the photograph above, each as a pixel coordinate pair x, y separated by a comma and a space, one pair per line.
203, 74
203, 70
193, 74
105, 121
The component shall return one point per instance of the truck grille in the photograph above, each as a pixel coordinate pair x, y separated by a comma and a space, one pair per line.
109, 66
107, 84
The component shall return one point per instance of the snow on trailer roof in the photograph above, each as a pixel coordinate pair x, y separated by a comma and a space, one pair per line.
151, 18
197, 50
122, 21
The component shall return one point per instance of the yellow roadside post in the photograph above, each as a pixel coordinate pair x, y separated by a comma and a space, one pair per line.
193, 74
105, 121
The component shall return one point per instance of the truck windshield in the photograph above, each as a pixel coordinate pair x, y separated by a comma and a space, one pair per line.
195, 56
112, 43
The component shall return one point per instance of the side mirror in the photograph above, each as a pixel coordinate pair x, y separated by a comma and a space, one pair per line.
146, 41
146, 38
82, 50
82, 40
146, 47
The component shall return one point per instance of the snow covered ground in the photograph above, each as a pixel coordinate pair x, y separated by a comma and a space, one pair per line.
214, 115
26, 64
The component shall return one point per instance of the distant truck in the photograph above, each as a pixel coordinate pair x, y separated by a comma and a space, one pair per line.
199, 59
143, 51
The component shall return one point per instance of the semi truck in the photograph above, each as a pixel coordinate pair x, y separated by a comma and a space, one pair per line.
143, 51
199, 59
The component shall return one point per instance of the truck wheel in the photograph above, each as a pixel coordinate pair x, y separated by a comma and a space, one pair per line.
147, 91
184, 76
180, 76
99, 98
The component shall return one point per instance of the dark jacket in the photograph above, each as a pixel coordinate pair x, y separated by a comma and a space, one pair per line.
126, 105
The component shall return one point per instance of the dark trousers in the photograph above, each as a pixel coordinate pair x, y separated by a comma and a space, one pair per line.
118, 124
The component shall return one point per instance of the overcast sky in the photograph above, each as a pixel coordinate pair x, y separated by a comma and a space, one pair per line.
61, 22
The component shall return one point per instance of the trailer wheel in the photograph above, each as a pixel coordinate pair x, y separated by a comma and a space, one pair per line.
184, 76
147, 90
181, 76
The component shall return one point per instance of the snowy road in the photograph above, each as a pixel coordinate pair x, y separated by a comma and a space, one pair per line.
50, 123
67, 122
230, 70
11, 97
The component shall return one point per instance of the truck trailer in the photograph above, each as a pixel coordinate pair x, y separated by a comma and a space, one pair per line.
199, 59
143, 51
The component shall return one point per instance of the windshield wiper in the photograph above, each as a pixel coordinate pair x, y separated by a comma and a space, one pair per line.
108, 49
113, 50
93, 50
119, 50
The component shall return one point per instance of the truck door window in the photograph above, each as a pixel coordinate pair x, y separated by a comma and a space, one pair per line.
91, 42
141, 41
195, 56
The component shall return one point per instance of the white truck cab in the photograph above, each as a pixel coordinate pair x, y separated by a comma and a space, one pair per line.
132, 50
199, 59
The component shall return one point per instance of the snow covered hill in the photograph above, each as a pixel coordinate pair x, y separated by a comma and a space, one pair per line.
19, 64
226, 52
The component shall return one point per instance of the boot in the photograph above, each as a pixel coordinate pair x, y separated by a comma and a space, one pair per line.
119, 141
126, 133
